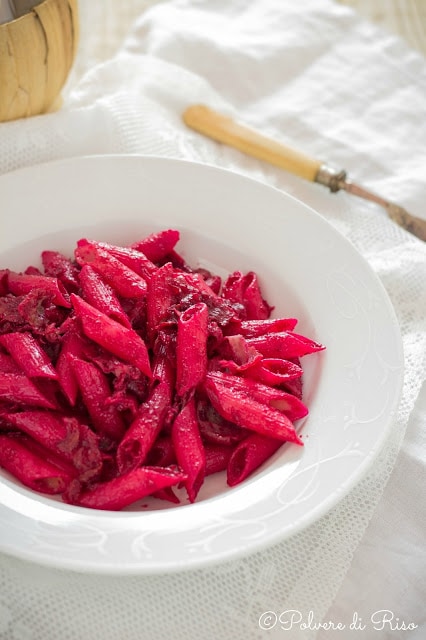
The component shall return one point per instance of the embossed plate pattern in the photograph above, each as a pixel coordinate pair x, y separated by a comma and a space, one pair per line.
307, 270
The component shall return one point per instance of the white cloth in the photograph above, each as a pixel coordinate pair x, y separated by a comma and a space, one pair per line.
324, 81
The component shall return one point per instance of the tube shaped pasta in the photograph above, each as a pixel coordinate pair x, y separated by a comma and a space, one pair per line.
112, 336
101, 295
20, 284
31, 469
62, 435
95, 390
248, 455
244, 289
18, 388
191, 348
142, 433
285, 402
126, 489
135, 260
285, 345
238, 407
26, 352
123, 280
189, 448
157, 245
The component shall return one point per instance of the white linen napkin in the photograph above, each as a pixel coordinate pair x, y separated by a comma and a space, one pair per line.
322, 80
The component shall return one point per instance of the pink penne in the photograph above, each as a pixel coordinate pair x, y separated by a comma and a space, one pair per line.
285, 345
191, 348
236, 406
254, 328
248, 455
157, 245
142, 433
128, 488
123, 280
272, 371
101, 295
20, 284
31, 469
240, 352
189, 448
27, 353
293, 408
214, 429
64, 436
111, 335
135, 260
217, 458
244, 289
18, 388
47, 455
95, 391
59, 266
162, 368
159, 298
72, 346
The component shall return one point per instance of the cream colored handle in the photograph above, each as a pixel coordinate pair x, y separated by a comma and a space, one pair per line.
229, 132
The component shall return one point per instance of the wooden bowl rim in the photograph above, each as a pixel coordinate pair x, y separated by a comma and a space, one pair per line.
27, 16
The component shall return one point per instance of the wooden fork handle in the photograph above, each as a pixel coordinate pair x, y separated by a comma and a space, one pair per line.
226, 130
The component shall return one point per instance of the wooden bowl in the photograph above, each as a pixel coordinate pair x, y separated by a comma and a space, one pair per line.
37, 51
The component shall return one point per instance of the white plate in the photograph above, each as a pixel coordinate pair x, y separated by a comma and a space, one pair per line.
307, 269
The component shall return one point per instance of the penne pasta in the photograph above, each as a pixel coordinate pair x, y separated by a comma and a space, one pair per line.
135, 260
31, 469
191, 348
157, 245
112, 336
101, 295
236, 406
244, 290
285, 345
159, 299
128, 488
21, 284
95, 391
28, 354
217, 458
281, 400
255, 328
123, 280
189, 449
64, 436
248, 456
18, 388
143, 431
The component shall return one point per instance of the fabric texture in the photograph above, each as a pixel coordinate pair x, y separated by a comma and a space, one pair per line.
324, 81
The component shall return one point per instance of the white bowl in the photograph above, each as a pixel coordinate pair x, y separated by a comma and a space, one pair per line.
307, 270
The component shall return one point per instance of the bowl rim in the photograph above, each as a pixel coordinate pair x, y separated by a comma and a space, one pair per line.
344, 489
